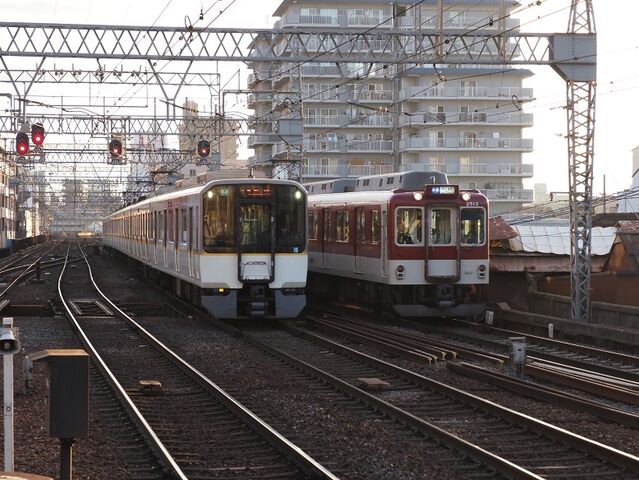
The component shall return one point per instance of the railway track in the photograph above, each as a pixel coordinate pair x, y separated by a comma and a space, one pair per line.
602, 373
537, 448
194, 428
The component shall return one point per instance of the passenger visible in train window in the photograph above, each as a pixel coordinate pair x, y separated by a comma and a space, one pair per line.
415, 229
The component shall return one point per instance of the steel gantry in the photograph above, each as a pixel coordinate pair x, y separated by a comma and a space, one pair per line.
571, 54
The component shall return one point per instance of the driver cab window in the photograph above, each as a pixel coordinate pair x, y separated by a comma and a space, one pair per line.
473, 226
408, 226
440, 226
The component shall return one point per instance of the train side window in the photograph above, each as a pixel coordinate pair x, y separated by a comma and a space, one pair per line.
327, 225
218, 229
440, 226
473, 226
341, 222
169, 226
361, 226
162, 230
183, 226
313, 226
409, 226
375, 226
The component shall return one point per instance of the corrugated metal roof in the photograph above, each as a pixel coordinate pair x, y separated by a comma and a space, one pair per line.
556, 239
499, 229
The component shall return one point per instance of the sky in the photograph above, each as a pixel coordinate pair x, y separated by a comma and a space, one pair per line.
617, 72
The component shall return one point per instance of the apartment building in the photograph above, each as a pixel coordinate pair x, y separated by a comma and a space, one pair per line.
360, 119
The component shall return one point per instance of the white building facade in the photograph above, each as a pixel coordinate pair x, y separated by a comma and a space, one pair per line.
464, 121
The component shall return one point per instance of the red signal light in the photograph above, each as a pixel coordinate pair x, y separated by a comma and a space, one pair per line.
37, 134
115, 147
203, 148
22, 143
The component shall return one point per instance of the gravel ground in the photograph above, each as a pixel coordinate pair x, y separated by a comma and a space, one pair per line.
292, 405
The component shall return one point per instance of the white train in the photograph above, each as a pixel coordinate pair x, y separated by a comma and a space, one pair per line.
234, 247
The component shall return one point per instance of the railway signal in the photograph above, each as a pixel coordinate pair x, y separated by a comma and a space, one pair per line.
22, 143
37, 134
203, 148
115, 148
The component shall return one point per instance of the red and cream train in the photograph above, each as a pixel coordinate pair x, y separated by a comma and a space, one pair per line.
407, 240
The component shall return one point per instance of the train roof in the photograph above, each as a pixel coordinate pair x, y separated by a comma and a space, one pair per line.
197, 189
375, 196
413, 181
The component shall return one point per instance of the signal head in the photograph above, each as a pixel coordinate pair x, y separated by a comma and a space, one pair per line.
22, 143
115, 147
37, 134
203, 148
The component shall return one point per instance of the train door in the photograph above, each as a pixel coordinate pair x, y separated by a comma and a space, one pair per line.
384, 241
360, 237
189, 240
255, 236
176, 238
155, 233
197, 242
165, 238
442, 250
326, 228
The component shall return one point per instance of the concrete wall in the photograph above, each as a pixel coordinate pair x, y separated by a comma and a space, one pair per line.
605, 287
602, 313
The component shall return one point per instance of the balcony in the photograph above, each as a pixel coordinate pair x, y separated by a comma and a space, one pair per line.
322, 121
418, 118
351, 145
371, 96
477, 169
428, 20
348, 20
344, 170
261, 139
509, 195
511, 144
374, 120
320, 70
310, 96
454, 92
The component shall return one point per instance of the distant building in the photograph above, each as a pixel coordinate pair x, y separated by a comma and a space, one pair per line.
194, 128
466, 122
8, 185
630, 201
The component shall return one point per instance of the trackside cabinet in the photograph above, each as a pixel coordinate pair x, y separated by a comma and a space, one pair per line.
68, 391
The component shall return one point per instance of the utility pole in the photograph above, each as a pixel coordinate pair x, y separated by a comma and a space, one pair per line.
579, 44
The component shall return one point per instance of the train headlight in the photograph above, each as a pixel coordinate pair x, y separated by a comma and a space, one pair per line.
481, 269
298, 195
465, 196
418, 196
399, 272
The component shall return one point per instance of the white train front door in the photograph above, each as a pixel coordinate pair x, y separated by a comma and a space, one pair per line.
442, 247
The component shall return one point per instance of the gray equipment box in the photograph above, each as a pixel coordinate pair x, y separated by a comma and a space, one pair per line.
68, 390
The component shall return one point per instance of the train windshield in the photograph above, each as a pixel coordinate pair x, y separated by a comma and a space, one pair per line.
473, 226
254, 218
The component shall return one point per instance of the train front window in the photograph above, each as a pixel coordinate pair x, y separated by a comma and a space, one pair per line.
290, 219
255, 225
218, 222
473, 226
440, 226
408, 226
